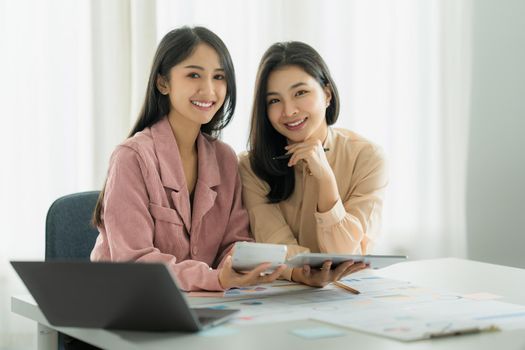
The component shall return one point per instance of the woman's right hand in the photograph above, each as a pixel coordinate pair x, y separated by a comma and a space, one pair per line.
229, 278
325, 275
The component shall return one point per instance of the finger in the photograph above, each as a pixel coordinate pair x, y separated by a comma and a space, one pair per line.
267, 278
306, 270
358, 266
344, 265
275, 274
341, 269
325, 276
296, 157
304, 149
295, 146
353, 269
301, 151
271, 277
308, 155
291, 149
327, 265
254, 274
315, 145
306, 142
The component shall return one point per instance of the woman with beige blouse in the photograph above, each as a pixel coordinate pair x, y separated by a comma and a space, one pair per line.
310, 186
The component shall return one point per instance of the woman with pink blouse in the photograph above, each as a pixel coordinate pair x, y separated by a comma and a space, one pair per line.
173, 192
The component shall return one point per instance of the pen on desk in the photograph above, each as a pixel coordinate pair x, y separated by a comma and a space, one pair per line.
462, 331
455, 332
345, 287
288, 155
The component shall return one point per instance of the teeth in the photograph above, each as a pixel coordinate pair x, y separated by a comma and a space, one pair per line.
296, 123
202, 104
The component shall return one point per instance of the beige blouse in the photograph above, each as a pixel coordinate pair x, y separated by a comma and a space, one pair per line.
350, 227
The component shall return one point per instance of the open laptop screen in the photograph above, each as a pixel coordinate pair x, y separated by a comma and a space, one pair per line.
132, 296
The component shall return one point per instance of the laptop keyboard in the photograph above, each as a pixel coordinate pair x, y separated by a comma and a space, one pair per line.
206, 320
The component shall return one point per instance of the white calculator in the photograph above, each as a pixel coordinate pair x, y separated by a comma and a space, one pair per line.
247, 255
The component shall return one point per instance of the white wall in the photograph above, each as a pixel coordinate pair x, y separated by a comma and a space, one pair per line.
496, 169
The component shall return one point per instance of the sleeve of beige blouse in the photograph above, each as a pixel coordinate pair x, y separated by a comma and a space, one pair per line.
267, 223
354, 222
129, 225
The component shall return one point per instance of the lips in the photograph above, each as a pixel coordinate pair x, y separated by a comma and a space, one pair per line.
203, 105
296, 124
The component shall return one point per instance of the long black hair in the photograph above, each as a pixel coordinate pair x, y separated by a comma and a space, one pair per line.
264, 141
175, 47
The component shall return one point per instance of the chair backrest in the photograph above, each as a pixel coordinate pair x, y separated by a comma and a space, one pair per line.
69, 233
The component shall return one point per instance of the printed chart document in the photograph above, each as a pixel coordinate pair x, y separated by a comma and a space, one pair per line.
385, 307
264, 290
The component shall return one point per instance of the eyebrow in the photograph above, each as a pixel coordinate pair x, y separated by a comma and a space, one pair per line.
291, 88
191, 66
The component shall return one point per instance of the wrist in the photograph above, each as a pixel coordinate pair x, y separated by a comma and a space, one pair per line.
328, 193
295, 276
224, 285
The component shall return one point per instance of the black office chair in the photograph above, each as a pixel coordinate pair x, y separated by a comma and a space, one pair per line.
70, 236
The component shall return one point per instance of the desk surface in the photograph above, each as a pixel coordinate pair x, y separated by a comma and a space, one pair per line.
457, 275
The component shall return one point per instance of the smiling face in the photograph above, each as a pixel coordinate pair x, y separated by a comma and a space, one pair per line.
296, 104
196, 87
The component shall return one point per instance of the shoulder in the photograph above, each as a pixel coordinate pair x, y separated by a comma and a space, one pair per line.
133, 151
355, 145
141, 142
245, 166
249, 179
244, 161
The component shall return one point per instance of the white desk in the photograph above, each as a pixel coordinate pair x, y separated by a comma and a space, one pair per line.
457, 275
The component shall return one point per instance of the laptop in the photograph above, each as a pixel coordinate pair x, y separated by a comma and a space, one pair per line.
126, 296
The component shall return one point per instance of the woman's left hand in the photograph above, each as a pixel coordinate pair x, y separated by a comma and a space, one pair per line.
311, 152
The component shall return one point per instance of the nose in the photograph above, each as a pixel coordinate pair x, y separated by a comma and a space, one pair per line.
206, 88
289, 109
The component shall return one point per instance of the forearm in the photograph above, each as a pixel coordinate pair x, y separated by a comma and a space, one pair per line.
349, 228
191, 275
328, 193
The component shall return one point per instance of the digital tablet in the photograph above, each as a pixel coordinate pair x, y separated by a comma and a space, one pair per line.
247, 255
316, 260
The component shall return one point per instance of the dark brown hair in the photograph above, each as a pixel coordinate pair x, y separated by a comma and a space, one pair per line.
175, 47
264, 141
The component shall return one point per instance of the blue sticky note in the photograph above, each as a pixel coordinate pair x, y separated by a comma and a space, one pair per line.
318, 332
218, 332
218, 307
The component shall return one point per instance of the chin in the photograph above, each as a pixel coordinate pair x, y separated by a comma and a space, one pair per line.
207, 119
295, 140
295, 137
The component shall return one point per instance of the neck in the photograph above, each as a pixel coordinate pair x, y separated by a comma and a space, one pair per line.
186, 134
321, 133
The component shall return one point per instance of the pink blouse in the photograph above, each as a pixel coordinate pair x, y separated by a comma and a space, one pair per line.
147, 213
